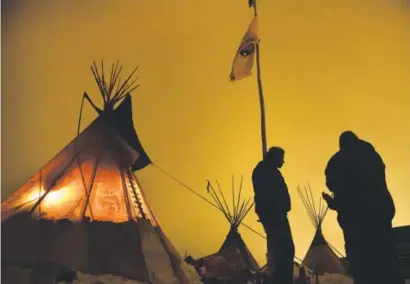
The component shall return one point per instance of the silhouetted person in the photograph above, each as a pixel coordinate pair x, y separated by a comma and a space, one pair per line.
356, 176
272, 204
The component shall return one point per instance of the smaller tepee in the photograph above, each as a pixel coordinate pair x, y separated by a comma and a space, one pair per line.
233, 249
320, 256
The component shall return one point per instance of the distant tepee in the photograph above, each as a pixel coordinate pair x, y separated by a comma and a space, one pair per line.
234, 249
320, 257
86, 210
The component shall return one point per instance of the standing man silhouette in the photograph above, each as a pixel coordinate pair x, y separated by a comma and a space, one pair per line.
272, 204
356, 176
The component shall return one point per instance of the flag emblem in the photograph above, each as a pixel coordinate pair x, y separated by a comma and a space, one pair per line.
247, 48
244, 58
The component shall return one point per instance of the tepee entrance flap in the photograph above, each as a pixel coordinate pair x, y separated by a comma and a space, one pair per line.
121, 121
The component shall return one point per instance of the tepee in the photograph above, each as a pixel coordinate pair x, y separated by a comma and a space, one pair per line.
320, 257
85, 209
233, 249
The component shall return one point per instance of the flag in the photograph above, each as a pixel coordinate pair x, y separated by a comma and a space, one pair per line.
243, 61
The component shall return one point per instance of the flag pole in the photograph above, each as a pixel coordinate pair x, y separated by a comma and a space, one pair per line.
260, 89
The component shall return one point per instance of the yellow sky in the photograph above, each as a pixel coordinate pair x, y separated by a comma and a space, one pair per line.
327, 66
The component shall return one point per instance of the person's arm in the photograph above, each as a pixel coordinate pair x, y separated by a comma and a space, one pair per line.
281, 194
266, 197
261, 190
331, 202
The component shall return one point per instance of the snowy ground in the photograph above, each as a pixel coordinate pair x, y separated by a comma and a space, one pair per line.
109, 279
17, 275
340, 279
22, 276
100, 279
335, 279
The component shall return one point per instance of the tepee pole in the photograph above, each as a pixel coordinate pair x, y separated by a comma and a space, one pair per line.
260, 89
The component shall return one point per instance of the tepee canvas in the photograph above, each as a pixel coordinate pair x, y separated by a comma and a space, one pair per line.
320, 257
234, 249
86, 210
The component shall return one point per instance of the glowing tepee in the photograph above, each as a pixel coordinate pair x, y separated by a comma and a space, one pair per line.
86, 210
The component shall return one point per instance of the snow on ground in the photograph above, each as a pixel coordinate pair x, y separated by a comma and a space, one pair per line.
335, 279
18, 275
101, 279
22, 276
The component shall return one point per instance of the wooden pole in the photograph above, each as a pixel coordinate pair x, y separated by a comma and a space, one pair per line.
260, 89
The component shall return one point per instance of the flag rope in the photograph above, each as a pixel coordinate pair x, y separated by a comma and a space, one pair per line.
200, 196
